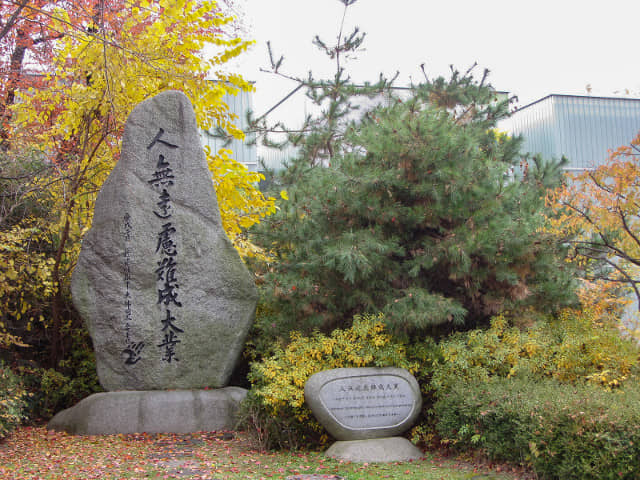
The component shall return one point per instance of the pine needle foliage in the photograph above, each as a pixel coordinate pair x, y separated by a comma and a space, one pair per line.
418, 215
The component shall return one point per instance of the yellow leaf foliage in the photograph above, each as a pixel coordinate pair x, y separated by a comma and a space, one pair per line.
155, 48
25, 276
596, 212
574, 346
75, 120
279, 380
245, 205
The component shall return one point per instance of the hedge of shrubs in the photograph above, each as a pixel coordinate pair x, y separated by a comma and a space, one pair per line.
560, 431
560, 396
572, 346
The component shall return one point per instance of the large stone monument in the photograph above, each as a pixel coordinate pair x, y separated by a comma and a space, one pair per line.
165, 296
366, 409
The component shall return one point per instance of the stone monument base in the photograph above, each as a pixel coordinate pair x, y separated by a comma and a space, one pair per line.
154, 411
389, 449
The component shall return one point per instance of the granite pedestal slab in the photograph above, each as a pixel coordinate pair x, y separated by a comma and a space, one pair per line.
389, 449
178, 411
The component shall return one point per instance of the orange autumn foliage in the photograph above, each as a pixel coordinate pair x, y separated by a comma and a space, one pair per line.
598, 213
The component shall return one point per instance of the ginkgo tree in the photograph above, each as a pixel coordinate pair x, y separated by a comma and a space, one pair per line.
103, 62
598, 214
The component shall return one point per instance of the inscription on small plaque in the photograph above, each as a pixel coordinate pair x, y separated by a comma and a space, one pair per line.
361, 403
368, 402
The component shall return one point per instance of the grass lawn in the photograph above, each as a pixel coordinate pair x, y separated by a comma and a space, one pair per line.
35, 454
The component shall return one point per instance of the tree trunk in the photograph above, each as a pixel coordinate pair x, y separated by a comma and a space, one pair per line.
15, 73
57, 307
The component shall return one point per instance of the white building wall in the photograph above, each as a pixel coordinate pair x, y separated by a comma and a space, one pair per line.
583, 129
243, 151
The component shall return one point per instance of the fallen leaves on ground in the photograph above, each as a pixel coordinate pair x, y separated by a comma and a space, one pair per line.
35, 453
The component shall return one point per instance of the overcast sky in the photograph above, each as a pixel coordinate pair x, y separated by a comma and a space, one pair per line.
533, 48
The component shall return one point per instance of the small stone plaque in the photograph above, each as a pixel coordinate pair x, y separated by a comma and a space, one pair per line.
362, 403
370, 401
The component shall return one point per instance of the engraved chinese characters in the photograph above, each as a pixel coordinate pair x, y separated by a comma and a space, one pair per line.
166, 298
371, 402
163, 179
364, 403
132, 351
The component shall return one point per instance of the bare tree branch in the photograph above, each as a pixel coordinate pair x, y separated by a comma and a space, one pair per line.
12, 20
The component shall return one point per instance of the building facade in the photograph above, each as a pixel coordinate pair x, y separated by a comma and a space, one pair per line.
243, 151
583, 129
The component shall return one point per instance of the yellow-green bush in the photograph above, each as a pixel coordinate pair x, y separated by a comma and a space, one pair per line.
276, 411
554, 396
571, 347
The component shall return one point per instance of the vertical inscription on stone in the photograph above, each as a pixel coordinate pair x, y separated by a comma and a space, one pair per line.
166, 272
132, 351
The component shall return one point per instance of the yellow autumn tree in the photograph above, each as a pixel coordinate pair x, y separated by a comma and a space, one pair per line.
121, 53
598, 214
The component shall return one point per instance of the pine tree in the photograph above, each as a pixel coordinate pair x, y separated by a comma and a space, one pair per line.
418, 217
321, 137
411, 208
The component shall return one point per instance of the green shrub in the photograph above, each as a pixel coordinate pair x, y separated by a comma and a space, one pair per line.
573, 347
53, 390
13, 401
561, 431
275, 410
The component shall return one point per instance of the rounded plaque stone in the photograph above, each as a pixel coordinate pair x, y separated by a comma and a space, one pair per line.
364, 403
